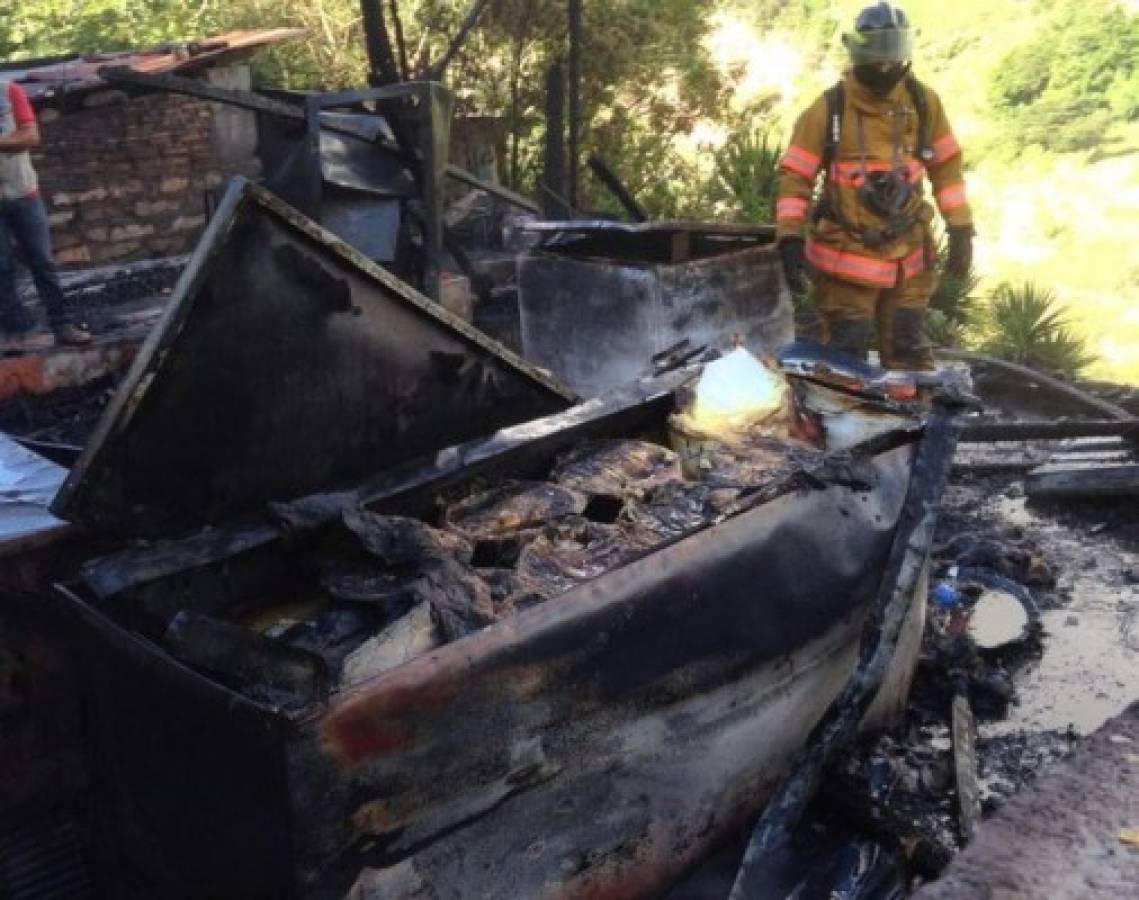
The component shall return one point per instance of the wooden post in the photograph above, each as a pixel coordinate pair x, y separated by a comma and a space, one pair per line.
554, 161
382, 69
575, 40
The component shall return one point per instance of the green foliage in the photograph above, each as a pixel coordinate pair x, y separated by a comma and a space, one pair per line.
954, 308
1025, 325
44, 27
747, 174
1064, 87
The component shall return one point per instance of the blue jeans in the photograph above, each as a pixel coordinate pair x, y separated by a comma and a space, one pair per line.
23, 225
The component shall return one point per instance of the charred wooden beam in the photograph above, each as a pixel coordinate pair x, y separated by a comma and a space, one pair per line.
193, 87
617, 188
1079, 482
907, 560
1091, 402
400, 40
554, 159
503, 193
995, 432
964, 733
436, 71
575, 42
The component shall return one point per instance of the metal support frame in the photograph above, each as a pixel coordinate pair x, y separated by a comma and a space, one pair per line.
432, 106
192, 87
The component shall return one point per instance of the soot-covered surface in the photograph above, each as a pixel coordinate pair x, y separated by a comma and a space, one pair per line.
287, 363
494, 550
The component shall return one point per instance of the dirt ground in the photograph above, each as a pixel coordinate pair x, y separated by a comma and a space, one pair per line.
1072, 836
1088, 668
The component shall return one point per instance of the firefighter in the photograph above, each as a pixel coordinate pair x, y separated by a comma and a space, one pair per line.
868, 241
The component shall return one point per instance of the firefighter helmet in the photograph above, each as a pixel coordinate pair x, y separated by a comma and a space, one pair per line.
881, 34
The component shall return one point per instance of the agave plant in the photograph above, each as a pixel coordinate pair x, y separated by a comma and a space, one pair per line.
747, 170
954, 307
1027, 326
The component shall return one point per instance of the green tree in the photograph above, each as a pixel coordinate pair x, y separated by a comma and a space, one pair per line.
1063, 88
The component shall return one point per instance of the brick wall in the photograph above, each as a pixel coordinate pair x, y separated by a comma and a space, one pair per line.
127, 180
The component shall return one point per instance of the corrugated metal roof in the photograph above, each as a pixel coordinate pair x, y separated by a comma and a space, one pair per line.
48, 80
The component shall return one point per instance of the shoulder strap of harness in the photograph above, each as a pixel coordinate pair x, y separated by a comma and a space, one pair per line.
836, 102
921, 106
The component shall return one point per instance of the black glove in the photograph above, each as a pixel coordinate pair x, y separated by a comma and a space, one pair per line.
960, 262
793, 254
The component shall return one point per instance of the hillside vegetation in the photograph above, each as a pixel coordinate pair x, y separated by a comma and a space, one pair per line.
684, 98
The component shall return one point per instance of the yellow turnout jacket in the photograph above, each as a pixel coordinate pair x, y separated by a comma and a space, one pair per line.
889, 125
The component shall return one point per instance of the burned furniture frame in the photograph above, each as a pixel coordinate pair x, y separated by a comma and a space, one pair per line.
598, 299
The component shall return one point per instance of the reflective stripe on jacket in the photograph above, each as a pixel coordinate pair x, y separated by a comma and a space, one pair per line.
835, 245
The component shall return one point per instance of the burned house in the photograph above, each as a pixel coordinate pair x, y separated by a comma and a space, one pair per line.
255, 733
357, 601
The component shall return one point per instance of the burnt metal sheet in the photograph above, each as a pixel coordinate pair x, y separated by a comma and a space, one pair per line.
286, 363
633, 724
370, 224
28, 484
648, 242
349, 162
659, 226
596, 323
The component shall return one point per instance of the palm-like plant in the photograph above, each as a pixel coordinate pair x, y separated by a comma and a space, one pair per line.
1027, 326
747, 170
954, 307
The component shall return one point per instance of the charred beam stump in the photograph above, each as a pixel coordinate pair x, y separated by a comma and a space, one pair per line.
605, 174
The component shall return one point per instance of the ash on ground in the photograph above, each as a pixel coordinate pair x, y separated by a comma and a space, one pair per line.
1075, 666
891, 802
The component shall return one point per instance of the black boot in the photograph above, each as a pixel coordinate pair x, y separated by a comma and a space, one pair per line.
850, 336
911, 349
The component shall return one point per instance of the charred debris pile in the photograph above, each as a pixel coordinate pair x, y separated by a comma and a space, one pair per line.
379, 590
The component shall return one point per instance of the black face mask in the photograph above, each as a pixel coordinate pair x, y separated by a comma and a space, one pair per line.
880, 82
